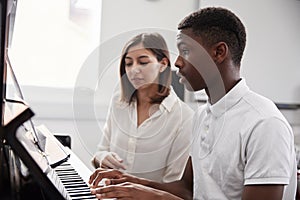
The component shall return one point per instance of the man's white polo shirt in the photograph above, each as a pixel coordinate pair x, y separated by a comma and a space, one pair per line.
243, 139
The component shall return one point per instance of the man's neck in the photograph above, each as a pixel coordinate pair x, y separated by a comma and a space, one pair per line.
218, 91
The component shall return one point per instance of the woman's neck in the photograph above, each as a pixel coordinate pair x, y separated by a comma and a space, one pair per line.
145, 95
144, 102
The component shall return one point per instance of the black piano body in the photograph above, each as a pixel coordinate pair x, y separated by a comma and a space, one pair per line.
67, 180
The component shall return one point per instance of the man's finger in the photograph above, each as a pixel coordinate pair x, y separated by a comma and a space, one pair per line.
100, 174
112, 191
94, 175
115, 181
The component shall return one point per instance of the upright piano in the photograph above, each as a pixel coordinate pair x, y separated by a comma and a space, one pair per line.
25, 170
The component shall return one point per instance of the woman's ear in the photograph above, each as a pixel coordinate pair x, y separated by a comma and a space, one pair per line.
164, 64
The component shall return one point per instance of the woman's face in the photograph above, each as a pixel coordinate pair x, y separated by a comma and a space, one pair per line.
142, 67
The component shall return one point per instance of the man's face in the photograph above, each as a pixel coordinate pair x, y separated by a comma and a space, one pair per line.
194, 63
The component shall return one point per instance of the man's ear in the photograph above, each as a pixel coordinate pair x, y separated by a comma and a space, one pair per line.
220, 52
164, 64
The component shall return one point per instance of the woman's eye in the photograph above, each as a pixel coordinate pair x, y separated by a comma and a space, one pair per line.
144, 63
128, 64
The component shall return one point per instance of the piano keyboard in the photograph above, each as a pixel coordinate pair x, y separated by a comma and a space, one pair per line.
74, 185
70, 178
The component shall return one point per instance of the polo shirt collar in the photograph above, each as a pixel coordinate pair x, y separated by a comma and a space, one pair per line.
230, 99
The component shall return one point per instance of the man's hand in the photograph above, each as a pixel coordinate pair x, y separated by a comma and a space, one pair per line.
111, 177
132, 191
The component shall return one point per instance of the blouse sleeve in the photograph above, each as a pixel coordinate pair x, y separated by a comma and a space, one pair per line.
180, 150
104, 145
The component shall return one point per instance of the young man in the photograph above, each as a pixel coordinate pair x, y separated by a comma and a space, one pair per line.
243, 147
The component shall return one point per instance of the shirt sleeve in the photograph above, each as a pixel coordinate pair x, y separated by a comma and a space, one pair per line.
269, 153
104, 145
179, 152
106, 135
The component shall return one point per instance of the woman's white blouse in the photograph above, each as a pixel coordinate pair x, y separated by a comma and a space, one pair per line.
158, 148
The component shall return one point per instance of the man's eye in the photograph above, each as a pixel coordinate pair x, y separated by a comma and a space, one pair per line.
185, 52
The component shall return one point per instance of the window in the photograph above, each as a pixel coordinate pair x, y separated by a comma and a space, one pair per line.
52, 39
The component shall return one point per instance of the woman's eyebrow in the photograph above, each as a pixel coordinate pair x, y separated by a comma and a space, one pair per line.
140, 57
143, 56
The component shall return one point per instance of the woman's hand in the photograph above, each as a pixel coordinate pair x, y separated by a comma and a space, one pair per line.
109, 160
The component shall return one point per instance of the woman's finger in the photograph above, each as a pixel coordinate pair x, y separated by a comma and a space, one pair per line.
115, 162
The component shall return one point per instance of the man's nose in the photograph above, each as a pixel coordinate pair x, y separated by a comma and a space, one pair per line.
178, 62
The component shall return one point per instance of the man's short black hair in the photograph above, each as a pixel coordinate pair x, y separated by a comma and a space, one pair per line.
218, 25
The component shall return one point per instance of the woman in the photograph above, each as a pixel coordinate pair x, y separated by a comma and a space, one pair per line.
148, 130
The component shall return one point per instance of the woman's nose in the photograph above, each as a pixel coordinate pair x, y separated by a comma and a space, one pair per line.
136, 69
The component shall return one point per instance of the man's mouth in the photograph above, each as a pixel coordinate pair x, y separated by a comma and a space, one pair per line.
182, 79
178, 73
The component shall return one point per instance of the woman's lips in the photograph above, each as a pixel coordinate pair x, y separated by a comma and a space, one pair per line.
137, 81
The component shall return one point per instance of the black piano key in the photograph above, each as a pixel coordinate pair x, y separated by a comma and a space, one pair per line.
75, 184
70, 176
78, 189
75, 179
71, 181
66, 175
65, 169
79, 198
82, 194
70, 186
82, 191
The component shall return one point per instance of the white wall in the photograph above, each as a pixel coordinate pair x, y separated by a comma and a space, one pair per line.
271, 60
119, 16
